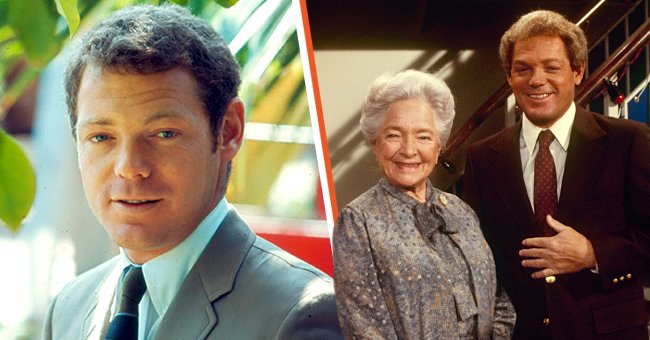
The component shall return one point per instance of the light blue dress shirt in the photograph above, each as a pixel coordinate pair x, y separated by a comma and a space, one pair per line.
165, 273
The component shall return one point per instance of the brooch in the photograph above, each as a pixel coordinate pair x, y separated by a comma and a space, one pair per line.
443, 199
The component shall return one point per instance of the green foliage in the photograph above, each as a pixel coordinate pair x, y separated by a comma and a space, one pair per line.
68, 9
3, 12
35, 27
17, 182
226, 3
28, 30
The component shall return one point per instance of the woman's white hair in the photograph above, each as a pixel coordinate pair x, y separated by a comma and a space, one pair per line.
410, 84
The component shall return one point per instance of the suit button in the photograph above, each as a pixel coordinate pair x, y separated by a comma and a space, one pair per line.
615, 280
546, 321
550, 279
629, 276
622, 278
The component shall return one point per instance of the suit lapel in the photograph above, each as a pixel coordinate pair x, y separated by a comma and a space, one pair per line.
584, 161
191, 314
91, 324
96, 322
507, 178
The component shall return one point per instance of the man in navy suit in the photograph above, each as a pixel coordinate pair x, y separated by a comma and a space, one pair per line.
571, 263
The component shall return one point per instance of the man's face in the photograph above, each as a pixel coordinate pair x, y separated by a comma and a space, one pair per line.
542, 79
146, 153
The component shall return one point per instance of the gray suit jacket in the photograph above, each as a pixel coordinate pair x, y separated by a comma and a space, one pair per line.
241, 287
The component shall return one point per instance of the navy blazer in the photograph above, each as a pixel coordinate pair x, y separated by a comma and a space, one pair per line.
605, 196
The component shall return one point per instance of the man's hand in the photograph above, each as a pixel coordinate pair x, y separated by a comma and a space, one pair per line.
566, 252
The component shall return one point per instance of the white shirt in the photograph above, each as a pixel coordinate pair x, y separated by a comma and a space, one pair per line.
165, 273
528, 148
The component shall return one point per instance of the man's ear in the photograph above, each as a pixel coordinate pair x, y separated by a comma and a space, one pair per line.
579, 74
231, 133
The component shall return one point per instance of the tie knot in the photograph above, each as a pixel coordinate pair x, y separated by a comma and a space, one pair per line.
545, 138
133, 289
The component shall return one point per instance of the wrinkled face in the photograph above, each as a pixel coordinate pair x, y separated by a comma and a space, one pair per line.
542, 80
148, 163
407, 146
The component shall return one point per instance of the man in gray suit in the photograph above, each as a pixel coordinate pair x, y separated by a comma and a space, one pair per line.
152, 97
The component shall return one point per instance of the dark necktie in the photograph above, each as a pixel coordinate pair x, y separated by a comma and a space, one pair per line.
545, 182
125, 323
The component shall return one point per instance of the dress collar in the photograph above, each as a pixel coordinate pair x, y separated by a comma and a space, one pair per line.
432, 214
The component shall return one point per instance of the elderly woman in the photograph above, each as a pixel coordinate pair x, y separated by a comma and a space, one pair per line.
410, 260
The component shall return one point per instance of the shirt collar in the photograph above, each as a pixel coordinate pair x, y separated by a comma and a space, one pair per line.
165, 273
561, 129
